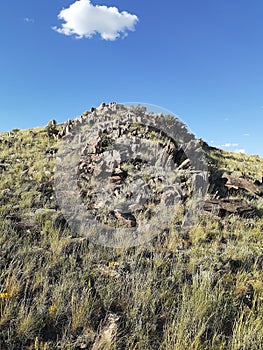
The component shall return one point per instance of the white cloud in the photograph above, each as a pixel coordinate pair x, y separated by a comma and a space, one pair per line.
228, 145
83, 20
29, 20
241, 150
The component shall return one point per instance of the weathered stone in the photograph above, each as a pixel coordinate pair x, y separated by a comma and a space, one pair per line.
95, 145
239, 183
85, 114
67, 129
107, 333
116, 179
136, 208
107, 271
52, 123
184, 165
102, 106
94, 157
69, 122
113, 106
223, 207
126, 218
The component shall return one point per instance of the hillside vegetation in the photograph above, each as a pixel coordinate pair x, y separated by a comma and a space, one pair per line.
201, 289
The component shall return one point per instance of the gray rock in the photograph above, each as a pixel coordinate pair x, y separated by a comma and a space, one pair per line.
126, 218
170, 197
52, 123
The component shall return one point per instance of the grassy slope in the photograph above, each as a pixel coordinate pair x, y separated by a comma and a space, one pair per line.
201, 290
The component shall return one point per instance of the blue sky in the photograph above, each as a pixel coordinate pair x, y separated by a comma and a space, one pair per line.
203, 60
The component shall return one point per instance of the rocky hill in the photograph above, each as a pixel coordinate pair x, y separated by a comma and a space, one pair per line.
122, 234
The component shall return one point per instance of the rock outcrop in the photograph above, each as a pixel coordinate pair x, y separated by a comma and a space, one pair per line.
240, 183
223, 206
130, 168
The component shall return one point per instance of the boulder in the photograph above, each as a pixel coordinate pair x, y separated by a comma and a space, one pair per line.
102, 106
240, 183
126, 218
52, 123
223, 207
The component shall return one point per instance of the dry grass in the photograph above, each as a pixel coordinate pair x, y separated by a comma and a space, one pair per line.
201, 290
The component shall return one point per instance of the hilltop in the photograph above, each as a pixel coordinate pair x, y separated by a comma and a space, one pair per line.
197, 288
